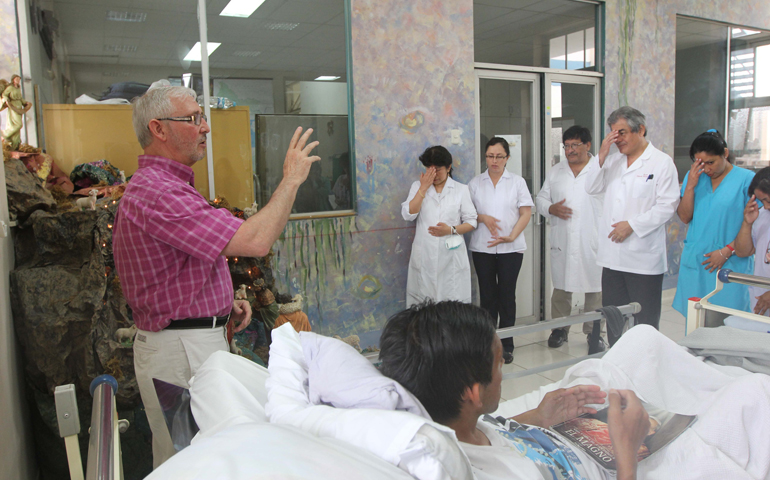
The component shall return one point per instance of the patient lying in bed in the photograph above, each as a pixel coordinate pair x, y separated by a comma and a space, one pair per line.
449, 356
442, 353
460, 380
378, 422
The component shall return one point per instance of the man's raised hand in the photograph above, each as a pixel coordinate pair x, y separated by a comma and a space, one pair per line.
297, 164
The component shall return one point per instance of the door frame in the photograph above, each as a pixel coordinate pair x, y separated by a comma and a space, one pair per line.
541, 79
597, 134
537, 143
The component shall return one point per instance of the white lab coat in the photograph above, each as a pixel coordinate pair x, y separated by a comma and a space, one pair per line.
574, 241
646, 196
434, 271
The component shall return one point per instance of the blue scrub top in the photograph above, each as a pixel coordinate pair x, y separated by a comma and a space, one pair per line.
716, 220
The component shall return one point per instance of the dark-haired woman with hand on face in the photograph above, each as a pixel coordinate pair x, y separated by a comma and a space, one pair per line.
439, 268
714, 194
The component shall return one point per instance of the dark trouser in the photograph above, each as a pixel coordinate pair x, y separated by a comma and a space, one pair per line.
497, 274
622, 288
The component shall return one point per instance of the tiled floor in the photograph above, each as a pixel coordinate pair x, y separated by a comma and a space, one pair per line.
532, 351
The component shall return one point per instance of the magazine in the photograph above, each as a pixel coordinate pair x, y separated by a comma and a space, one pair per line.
589, 433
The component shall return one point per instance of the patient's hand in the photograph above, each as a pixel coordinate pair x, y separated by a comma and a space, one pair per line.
629, 424
562, 405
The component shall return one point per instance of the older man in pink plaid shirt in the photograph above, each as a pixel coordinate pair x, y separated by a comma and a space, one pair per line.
170, 247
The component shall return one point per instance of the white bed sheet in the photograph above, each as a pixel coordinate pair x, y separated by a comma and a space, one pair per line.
729, 439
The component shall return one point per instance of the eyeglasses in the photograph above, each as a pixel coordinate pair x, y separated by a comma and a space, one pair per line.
496, 157
572, 146
195, 118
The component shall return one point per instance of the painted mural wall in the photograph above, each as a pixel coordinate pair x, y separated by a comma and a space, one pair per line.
640, 53
413, 83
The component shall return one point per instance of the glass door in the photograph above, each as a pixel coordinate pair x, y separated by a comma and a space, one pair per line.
569, 100
509, 106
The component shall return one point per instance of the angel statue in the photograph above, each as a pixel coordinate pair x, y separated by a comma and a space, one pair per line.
17, 107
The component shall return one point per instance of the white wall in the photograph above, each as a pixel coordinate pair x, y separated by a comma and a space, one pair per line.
16, 453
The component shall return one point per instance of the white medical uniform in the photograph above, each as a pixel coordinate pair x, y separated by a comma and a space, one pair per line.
434, 271
573, 241
760, 235
645, 195
501, 201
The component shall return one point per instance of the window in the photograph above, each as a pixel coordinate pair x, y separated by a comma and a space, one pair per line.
579, 48
701, 84
719, 65
278, 59
553, 34
749, 120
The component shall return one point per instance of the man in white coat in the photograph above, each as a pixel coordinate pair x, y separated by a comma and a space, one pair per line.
573, 215
641, 190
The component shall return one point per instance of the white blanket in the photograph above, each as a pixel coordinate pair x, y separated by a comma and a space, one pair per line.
424, 449
730, 438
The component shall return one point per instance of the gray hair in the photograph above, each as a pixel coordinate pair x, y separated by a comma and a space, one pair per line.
632, 116
156, 103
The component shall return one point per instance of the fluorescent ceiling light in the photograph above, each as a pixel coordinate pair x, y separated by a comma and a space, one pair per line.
326, 78
246, 53
194, 55
126, 16
120, 48
241, 8
285, 26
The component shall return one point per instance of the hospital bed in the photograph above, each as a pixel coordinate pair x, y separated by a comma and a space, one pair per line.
702, 313
229, 396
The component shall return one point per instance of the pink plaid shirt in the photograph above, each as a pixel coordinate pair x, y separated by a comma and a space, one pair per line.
168, 246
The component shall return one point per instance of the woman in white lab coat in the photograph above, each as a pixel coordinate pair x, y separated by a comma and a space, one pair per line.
438, 267
504, 204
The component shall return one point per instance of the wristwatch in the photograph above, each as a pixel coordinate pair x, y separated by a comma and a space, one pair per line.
454, 230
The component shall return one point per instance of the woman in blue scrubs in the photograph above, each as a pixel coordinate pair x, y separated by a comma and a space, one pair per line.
714, 194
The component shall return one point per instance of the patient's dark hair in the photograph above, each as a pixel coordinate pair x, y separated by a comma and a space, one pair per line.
761, 181
438, 350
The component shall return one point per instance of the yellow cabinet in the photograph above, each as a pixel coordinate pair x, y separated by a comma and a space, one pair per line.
76, 134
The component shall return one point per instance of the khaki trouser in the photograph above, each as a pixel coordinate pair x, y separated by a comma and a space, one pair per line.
561, 306
172, 356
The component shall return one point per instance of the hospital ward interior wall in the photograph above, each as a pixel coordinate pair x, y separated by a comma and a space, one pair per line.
413, 82
414, 60
640, 54
15, 448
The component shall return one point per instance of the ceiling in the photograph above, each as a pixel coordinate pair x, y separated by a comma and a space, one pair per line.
297, 39
290, 39
692, 33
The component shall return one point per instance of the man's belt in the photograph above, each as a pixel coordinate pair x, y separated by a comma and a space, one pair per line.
204, 322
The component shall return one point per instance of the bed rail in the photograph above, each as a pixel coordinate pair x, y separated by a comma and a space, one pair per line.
104, 457
703, 313
627, 310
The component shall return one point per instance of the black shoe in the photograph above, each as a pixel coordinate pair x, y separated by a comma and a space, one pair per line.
508, 357
596, 346
557, 338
